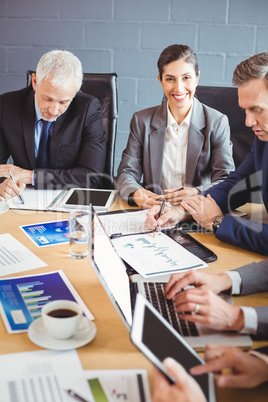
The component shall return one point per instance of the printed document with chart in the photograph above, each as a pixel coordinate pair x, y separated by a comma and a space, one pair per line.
15, 257
152, 254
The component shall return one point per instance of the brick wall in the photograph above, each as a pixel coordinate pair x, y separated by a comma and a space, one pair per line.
126, 37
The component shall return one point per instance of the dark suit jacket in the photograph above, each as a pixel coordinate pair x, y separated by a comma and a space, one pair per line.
236, 191
254, 280
209, 153
77, 147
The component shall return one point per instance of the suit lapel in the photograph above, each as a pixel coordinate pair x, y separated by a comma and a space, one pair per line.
157, 140
196, 140
28, 129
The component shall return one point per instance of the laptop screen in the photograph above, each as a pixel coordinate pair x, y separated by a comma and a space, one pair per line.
111, 271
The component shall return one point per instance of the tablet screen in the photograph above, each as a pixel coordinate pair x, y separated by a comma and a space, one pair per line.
86, 197
163, 343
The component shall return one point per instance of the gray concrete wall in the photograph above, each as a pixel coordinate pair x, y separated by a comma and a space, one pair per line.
126, 37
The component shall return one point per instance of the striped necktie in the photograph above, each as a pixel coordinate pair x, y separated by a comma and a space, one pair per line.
42, 160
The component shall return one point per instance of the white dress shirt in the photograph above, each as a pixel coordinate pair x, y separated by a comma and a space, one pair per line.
250, 314
175, 153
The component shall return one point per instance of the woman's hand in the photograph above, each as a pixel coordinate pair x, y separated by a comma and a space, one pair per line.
175, 196
145, 199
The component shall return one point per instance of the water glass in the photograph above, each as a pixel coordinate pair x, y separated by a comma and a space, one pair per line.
79, 233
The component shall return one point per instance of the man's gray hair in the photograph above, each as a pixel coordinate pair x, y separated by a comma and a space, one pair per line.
61, 67
252, 68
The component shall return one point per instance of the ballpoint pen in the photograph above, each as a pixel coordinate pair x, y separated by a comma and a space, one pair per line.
12, 178
178, 189
174, 191
160, 213
76, 396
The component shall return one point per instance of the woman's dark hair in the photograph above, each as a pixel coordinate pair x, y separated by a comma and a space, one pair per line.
177, 52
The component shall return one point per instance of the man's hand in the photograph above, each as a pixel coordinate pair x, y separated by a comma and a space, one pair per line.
9, 189
209, 310
17, 172
145, 199
170, 217
247, 371
215, 282
176, 197
203, 209
185, 389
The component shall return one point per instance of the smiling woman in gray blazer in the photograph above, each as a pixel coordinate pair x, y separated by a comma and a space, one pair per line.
180, 144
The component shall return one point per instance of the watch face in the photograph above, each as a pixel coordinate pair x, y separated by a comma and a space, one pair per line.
217, 221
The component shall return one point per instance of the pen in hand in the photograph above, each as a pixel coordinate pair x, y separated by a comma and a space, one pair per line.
157, 229
171, 192
12, 178
178, 189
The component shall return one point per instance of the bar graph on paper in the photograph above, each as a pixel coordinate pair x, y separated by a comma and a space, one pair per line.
34, 297
155, 254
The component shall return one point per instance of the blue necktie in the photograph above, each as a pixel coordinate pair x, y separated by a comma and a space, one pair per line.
42, 160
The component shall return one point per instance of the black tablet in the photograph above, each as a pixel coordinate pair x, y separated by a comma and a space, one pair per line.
153, 335
99, 198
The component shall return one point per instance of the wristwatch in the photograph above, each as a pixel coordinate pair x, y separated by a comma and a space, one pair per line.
217, 220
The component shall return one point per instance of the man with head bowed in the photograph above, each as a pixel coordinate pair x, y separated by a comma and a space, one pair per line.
52, 130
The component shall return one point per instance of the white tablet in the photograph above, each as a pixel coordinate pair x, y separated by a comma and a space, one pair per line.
153, 335
100, 199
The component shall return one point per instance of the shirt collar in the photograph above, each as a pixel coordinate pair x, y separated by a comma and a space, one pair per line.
171, 121
37, 113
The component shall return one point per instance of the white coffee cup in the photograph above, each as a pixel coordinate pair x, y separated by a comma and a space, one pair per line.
61, 318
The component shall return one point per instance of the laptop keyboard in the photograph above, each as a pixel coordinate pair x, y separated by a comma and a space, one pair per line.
154, 292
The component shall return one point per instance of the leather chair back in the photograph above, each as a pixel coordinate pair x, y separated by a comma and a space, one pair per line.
225, 99
103, 87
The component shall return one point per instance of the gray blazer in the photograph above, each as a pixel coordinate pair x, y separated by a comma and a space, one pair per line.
254, 280
209, 154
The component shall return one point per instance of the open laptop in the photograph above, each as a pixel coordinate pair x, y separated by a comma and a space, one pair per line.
122, 290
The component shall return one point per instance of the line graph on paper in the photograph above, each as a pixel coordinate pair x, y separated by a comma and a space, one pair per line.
155, 255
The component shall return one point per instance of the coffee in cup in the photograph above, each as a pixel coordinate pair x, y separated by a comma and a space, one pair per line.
61, 318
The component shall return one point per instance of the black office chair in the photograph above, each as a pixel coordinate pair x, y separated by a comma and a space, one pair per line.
103, 87
225, 99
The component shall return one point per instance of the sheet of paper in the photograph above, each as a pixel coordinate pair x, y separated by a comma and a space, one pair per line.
22, 298
124, 222
15, 257
34, 199
42, 375
47, 233
155, 254
117, 385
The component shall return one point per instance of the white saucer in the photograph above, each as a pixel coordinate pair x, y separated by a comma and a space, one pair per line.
39, 335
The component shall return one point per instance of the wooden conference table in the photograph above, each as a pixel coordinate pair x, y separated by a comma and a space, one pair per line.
112, 348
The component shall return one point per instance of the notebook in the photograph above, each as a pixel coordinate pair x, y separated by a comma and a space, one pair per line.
122, 290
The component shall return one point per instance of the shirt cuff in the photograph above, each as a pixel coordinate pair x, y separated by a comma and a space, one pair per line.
259, 355
33, 182
236, 282
250, 321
